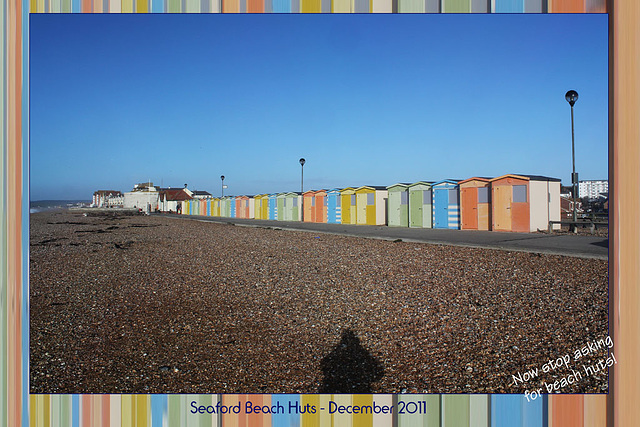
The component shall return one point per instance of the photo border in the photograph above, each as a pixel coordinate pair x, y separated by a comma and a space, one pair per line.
618, 408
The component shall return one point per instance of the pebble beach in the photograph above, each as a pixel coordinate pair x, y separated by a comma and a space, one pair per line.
150, 304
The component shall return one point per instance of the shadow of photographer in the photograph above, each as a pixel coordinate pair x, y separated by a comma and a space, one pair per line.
349, 367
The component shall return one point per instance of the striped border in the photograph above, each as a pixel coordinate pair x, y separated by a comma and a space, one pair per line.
18, 408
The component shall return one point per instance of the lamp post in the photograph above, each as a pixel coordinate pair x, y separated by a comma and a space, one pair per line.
302, 162
571, 97
222, 178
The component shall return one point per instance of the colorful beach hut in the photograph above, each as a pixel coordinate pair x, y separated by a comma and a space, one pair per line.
225, 207
475, 203
320, 206
258, 206
243, 207
334, 210
232, 207
348, 203
420, 205
524, 203
280, 213
292, 206
371, 205
251, 207
446, 204
273, 206
308, 198
239, 210
398, 205
315, 206
215, 206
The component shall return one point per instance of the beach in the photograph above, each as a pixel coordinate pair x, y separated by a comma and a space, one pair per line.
150, 304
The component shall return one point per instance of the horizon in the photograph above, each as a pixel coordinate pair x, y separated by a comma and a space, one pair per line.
366, 100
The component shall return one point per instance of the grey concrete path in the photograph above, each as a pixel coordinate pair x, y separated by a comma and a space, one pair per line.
557, 244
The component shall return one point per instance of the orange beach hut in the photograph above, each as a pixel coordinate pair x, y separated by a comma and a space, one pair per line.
475, 203
524, 203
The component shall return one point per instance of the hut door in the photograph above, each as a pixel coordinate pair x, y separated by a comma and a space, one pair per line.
346, 208
520, 209
394, 207
441, 207
415, 205
469, 201
502, 207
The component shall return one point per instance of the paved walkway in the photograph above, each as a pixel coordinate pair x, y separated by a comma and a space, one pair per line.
557, 244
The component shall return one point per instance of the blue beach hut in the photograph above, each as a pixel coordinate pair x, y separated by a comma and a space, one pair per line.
232, 206
334, 214
446, 204
273, 207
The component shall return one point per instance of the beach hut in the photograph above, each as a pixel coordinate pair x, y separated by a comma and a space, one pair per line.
222, 202
371, 205
334, 210
446, 205
239, 210
273, 206
420, 205
251, 208
398, 205
215, 206
524, 203
257, 206
320, 206
280, 212
292, 211
348, 203
315, 206
264, 207
203, 207
225, 206
475, 203
309, 214
243, 207
232, 207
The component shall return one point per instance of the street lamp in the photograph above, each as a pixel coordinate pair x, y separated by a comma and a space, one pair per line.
302, 162
572, 97
222, 178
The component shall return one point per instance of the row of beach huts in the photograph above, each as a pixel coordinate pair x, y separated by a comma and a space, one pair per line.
521, 203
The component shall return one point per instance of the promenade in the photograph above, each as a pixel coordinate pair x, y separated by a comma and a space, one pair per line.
555, 244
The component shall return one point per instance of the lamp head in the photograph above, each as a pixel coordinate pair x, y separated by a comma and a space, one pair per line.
571, 97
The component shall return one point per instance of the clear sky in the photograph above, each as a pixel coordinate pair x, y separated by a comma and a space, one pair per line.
118, 99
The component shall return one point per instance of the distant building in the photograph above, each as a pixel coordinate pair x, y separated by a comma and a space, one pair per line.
566, 207
566, 190
107, 198
201, 194
593, 188
143, 196
172, 199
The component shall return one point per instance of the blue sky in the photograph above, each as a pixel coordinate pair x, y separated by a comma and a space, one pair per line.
118, 99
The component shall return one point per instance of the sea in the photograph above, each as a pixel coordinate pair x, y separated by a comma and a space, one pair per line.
49, 205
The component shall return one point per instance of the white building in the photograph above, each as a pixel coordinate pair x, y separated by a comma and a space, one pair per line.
593, 188
171, 200
143, 196
106, 198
